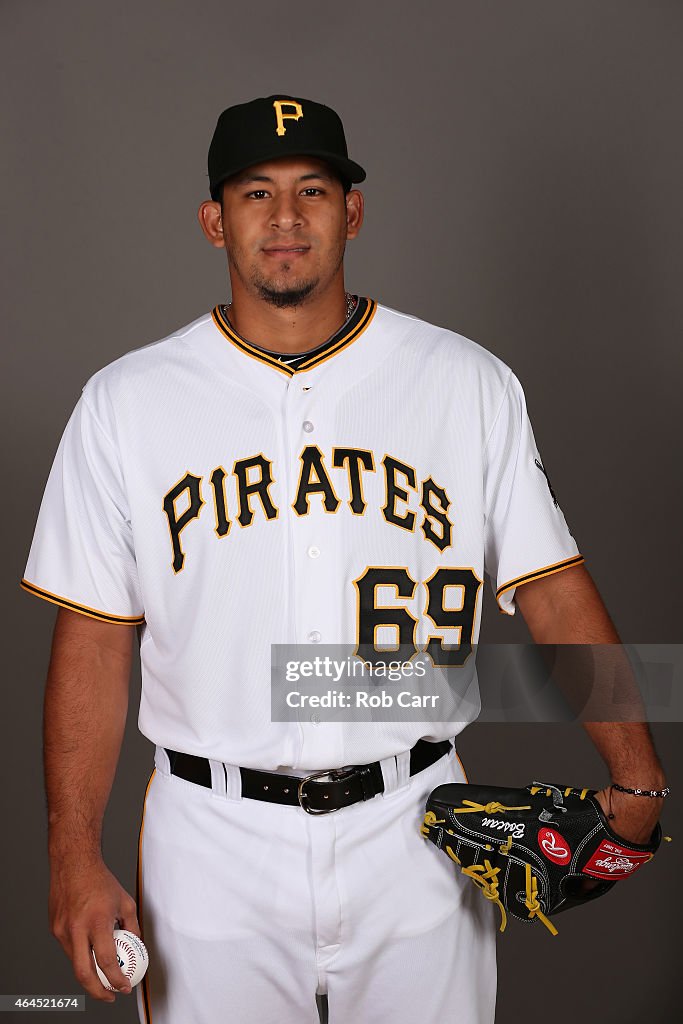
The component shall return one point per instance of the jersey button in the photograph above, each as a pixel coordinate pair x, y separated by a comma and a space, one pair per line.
315, 718
314, 636
308, 426
313, 551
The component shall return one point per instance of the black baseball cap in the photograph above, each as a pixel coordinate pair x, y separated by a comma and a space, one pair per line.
276, 126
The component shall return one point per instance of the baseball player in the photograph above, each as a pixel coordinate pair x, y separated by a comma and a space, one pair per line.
303, 466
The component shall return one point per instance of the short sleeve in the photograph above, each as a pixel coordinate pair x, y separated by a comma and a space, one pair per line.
82, 555
526, 534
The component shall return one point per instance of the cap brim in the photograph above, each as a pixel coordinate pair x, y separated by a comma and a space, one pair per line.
349, 169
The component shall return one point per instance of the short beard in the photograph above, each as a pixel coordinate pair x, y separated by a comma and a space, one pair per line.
283, 299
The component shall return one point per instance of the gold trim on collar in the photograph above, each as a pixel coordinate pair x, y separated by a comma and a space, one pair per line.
361, 318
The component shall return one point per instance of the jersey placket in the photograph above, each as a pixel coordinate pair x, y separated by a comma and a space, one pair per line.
315, 605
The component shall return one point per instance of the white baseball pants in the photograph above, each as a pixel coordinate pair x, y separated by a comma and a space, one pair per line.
249, 908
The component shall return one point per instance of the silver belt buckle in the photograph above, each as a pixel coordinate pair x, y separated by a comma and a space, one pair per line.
335, 774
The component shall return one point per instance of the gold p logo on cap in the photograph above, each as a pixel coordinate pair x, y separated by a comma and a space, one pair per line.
281, 116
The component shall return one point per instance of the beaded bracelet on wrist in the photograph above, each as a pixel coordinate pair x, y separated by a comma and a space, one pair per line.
642, 792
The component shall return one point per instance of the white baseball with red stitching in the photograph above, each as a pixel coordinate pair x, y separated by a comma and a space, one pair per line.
132, 956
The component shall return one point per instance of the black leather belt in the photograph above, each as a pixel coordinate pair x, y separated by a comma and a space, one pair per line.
318, 792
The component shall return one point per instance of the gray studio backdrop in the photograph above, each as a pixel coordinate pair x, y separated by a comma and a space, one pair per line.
524, 168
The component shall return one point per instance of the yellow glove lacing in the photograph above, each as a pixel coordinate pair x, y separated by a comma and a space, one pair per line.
493, 808
537, 789
485, 876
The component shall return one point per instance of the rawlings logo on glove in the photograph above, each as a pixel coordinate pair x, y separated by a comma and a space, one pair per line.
533, 852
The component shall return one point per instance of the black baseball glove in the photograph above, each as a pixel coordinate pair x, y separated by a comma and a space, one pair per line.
535, 851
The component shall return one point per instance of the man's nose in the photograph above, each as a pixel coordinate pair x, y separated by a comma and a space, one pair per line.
286, 212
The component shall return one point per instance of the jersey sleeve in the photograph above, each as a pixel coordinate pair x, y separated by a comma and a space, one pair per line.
526, 534
82, 555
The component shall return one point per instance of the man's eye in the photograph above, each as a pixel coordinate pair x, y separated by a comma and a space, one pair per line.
257, 193
313, 189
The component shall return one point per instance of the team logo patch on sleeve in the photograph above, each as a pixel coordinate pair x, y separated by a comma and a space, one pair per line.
547, 480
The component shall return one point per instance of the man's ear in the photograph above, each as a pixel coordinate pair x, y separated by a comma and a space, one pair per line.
211, 220
355, 206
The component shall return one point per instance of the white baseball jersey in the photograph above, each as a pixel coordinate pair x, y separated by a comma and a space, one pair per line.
224, 502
